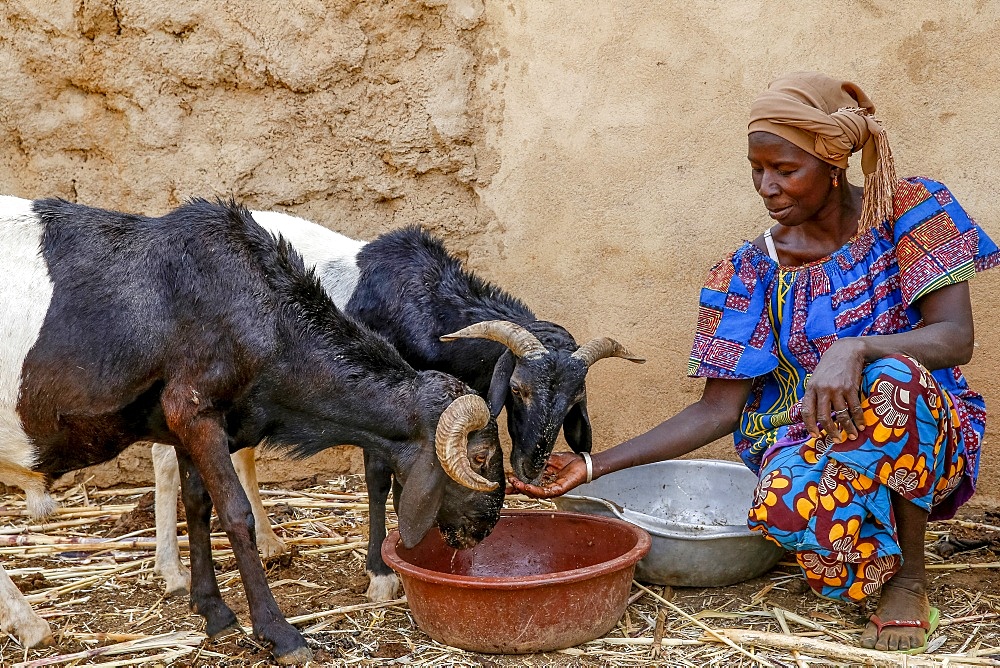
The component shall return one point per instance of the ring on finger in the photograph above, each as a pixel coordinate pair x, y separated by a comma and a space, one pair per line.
841, 413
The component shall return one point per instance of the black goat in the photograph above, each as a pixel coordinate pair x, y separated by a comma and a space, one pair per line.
407, 287
418, 296
200, 330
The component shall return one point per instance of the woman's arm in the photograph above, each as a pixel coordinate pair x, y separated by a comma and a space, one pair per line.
945, 340
716, 414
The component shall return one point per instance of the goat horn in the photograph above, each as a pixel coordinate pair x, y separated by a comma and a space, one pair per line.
520, 341
598, 349
466, 414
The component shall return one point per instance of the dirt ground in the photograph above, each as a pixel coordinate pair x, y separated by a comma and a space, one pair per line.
90, 608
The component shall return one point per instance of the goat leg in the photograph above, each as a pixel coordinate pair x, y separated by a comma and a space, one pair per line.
17, 617
206, 599
168, 564
206, 445
383, 584
246, 470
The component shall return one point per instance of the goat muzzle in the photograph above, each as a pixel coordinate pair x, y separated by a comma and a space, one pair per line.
466, 414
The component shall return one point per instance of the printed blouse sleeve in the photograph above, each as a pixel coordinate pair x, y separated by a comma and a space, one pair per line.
734, 337
937, 243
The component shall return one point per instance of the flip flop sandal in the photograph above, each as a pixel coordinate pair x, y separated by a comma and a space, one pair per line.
929, 626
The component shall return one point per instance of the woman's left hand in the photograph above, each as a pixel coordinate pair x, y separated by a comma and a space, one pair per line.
563, 472
832, 400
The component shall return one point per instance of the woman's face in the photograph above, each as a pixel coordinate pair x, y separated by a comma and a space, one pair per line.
795, 185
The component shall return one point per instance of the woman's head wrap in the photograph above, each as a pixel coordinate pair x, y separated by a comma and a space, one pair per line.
831, 119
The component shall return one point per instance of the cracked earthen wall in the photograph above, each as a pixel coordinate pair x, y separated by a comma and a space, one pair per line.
590, 157
360, 116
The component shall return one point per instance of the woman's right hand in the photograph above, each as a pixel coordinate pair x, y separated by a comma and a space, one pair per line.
563, 472
832, 400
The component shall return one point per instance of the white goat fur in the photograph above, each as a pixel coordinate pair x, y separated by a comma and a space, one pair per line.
28, 292
334, 258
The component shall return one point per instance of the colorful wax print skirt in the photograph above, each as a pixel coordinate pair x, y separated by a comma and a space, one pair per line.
830, 502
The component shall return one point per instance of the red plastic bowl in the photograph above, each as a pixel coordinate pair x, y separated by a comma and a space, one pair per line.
541, 581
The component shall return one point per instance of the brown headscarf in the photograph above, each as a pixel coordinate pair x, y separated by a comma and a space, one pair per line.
831, 119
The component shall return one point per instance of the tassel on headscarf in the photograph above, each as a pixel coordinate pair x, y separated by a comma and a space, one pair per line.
831, 119
880, 178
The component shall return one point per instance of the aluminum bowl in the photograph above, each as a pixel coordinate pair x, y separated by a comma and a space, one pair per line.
696, 512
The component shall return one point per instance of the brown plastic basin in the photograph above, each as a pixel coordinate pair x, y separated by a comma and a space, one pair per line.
541, 581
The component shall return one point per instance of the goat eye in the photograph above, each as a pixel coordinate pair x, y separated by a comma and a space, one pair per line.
515, 390
480, 459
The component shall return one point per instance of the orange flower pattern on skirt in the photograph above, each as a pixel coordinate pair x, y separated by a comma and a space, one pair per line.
830, 502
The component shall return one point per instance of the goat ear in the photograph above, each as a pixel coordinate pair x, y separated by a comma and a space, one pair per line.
420, 499
500, 384
576, 427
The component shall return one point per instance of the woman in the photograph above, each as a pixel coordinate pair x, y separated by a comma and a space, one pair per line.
831, 346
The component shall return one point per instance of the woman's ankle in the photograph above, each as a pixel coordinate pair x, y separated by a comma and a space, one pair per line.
916, 584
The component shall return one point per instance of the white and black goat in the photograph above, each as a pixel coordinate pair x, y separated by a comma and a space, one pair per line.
406, 286
201, 330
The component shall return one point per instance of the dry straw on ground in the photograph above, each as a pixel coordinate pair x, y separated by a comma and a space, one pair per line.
88, 570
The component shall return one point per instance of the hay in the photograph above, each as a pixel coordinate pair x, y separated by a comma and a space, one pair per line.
107, 608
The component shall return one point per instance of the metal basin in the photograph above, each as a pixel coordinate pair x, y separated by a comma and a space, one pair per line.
696, 512
541, 581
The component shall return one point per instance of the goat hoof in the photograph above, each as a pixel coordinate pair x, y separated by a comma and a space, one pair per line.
180, 590
177, 584
298, 655
219, 629
382, 588
36, 634
270, 546
176, 580
40, 504
287, 644
283, 560
219, 619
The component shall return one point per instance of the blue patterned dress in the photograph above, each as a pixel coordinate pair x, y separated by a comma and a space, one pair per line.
829, 502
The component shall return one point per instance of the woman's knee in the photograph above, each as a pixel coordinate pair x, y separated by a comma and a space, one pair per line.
896, 367
897, 388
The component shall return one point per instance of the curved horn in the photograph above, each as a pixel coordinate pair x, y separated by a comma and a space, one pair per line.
598, 349
466, 414
520, 341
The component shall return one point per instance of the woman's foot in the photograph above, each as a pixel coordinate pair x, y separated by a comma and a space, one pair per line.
901, 599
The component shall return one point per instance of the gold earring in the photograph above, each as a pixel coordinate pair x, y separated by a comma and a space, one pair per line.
835, 179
